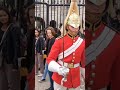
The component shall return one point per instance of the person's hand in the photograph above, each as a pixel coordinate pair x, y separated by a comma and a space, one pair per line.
63, 71
55, 67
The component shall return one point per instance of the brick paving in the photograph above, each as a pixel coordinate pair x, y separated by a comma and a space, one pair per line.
41, 86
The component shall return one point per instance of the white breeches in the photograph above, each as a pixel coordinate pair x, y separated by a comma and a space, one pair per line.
59, 87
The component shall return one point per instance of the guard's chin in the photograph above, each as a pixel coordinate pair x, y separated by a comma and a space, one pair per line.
75, 33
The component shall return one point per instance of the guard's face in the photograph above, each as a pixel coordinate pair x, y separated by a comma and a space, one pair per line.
93, 12
72, 30
4, 18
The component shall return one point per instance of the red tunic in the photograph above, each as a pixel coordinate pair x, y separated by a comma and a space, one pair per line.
73, 78
104, 68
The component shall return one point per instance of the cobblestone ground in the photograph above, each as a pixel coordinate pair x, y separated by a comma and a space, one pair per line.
41, 86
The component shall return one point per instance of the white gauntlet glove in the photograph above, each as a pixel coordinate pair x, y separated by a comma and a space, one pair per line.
55, 67
63, 71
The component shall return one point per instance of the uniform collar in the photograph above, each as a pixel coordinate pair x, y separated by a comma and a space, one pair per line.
92, 27
71, 36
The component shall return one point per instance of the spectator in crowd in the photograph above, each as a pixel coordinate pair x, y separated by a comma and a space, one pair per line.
57, 31
30, 37
50, 34
60, 25
42, 23
31, 46
39, 47
9, 52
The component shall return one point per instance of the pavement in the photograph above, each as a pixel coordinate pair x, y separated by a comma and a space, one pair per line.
41, 85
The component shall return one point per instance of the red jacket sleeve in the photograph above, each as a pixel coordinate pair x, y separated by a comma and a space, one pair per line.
83, 58
115, 75
115, 72
83, 55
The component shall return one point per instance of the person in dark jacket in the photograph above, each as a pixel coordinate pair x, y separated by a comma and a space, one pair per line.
9, 48
39, 47
31, 47
50, 32
30, 37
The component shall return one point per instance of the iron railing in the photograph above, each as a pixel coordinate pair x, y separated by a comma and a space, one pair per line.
55, 10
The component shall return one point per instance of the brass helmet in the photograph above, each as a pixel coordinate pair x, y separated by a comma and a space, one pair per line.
74, 20
72, 17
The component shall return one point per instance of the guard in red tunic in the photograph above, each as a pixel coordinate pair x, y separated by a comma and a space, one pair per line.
102, 49
67, 53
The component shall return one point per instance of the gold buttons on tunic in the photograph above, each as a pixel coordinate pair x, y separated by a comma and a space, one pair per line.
93, 66
73, 53
73, 57
93, 41
93, 34
72, 60
88, 88
93, 75
91, 82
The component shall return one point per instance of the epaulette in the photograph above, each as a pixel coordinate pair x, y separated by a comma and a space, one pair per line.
81, 35
59, 37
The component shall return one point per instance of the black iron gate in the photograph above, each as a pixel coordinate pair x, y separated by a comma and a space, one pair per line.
54, 11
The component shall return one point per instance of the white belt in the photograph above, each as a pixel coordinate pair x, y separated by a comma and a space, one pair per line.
69, 65
105, 88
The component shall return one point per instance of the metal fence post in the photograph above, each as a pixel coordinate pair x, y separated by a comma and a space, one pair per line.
47, 15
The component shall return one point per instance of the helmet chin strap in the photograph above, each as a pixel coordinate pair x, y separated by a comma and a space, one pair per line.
72, 34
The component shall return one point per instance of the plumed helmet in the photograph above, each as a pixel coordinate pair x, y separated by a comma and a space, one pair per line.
72, 17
